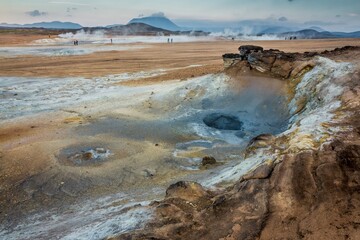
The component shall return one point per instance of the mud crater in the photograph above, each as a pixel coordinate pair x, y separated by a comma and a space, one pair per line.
223, 121
83, 156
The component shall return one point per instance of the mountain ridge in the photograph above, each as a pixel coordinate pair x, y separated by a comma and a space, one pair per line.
157, 21
48, 25
314, 34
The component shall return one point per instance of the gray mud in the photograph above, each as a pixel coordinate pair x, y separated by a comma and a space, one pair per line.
138, 139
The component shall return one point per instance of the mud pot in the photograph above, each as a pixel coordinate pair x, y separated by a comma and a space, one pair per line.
84, 157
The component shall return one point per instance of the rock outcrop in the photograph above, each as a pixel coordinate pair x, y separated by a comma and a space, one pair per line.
277, 63
274, 62
230, 59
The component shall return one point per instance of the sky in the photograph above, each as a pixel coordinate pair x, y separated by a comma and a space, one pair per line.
341, 15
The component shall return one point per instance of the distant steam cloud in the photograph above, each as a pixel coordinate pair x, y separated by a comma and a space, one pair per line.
322, 23
70, 9
36, 13
353, 14
70, 3
158, 14
283, 19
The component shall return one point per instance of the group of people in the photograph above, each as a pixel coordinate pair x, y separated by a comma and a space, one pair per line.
76, 42
291, 38
170, 40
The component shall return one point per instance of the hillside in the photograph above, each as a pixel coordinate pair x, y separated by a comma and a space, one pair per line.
313, 34
47, 25
137, 29
157, 21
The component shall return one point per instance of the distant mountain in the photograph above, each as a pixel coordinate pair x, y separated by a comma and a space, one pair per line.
114, 25
347, 35
275, 30
7, 25
308, 34
319, 29
142, 29
137, 29
48, 25
313, 34
157, 21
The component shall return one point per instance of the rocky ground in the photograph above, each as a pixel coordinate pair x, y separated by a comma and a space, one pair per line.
312, 188
203, 56
86, 106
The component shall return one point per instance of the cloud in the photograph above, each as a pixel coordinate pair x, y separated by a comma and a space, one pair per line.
158, 14
36, 13
283, 19
68, 10
70, 3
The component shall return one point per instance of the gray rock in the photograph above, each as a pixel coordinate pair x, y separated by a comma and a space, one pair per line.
245, 50
208, 160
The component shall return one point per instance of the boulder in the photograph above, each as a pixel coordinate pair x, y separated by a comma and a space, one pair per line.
245, 50
208, 160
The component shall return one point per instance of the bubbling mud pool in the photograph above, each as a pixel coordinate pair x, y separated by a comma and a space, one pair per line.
130, 140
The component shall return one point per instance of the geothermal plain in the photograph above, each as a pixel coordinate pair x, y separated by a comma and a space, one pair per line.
92, 136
